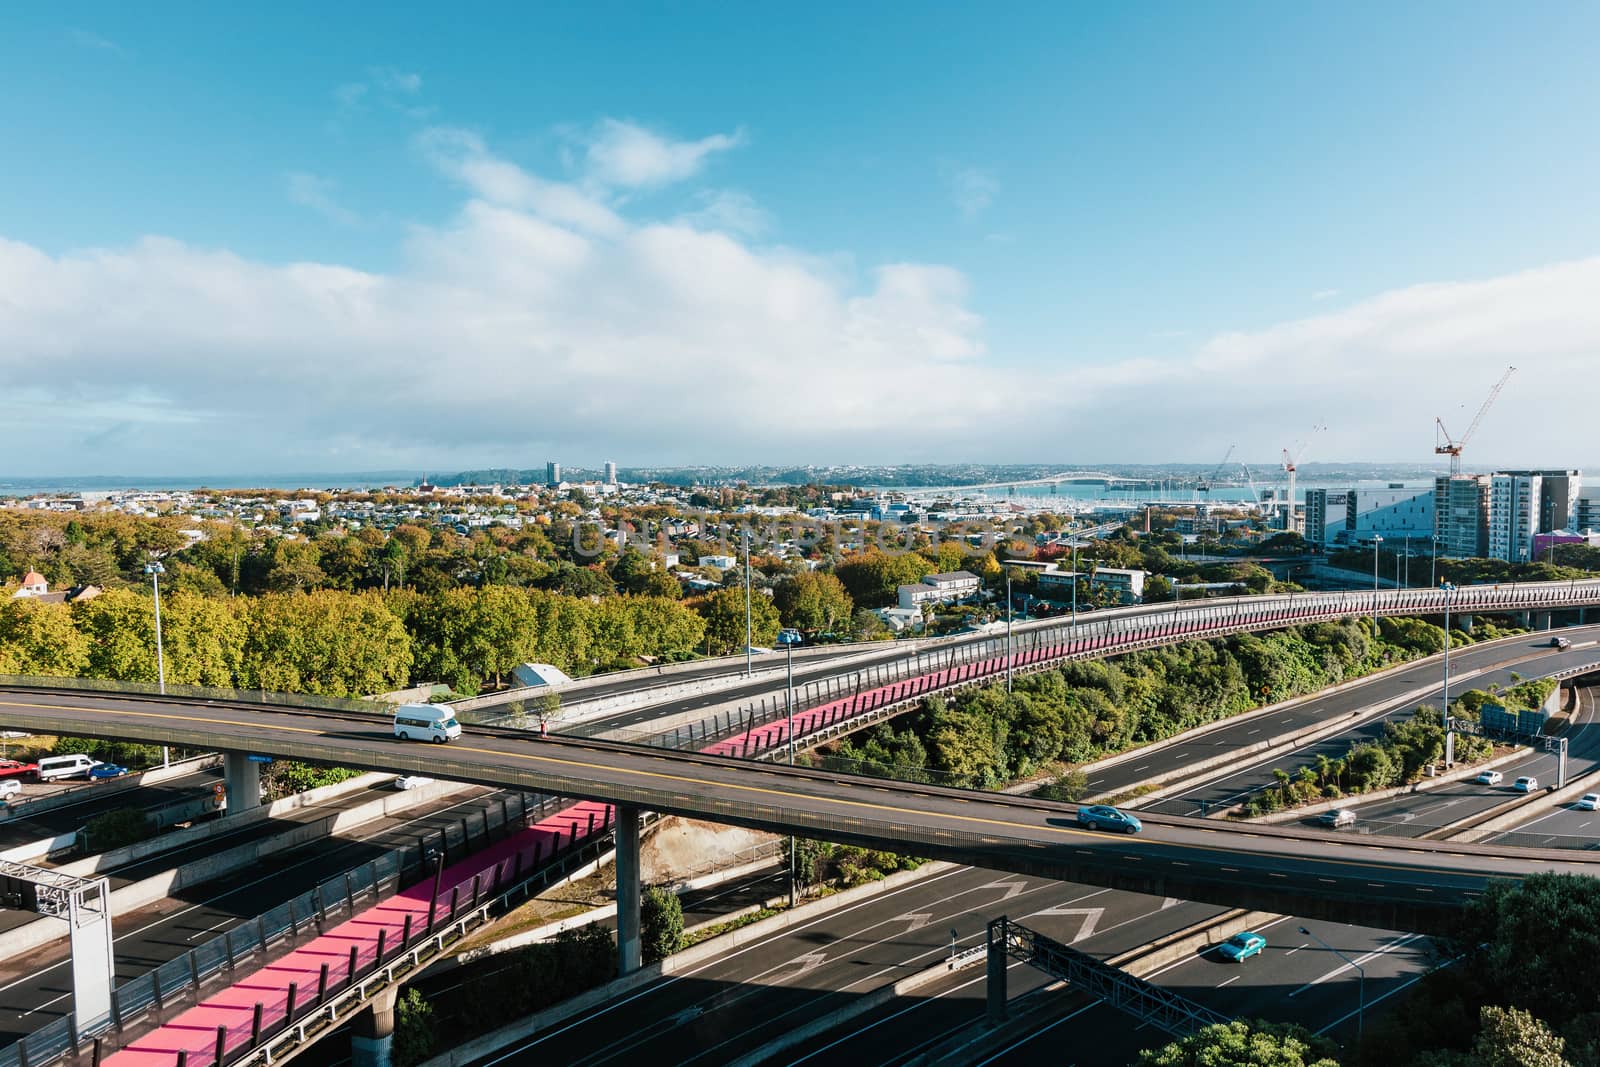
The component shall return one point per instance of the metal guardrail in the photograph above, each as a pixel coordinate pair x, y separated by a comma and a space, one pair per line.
147, 1001
197, 692
879, 690
1145, 1001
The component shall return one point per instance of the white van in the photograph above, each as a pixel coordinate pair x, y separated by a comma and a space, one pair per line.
426, 722
75, 766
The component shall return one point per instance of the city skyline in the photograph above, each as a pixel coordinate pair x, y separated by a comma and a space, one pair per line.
967, 239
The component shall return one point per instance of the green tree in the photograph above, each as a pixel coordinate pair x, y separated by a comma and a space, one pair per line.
724, 614
812, 600
202, 639
41, 639
121, 627
1242, 1043
415, 1033
116, 828
1511, 1037
325, 642
660, 923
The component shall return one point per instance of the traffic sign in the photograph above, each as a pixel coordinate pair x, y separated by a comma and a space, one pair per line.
259, 759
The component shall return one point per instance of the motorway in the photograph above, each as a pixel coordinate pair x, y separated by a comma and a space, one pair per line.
35, 989
745, 998
89, 800
1391, 882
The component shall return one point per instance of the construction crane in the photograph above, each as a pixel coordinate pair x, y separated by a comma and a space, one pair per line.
1207, 482
1291, 460
1451, 446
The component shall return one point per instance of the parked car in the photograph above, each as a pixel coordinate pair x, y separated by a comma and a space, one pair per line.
1242, 946
1338, 817
75, 765
10, 768
411, 781
10, 787
1560, 642
1491, 778
1105, 817
1526, 784
106, 770
1589, 802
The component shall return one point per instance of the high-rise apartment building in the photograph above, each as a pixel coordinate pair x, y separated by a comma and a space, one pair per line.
552, 474
1461, 515
1586, 509
1558, 492
1514, 510
611, 472
1325, 515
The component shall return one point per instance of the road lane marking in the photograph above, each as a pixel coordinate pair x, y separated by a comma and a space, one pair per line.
731, 787
1230, 981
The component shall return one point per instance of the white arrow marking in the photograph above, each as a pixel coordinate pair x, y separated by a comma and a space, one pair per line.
1012, 888
1091, 919
915, 920
1170, 902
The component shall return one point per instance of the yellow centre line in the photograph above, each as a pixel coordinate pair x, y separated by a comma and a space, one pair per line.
756, 789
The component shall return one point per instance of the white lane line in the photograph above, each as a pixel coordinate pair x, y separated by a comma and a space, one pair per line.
1036, 1033
1230, 981
1297, 948
1374, 954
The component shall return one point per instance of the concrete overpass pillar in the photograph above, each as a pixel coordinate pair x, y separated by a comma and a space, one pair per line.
372, 1031
243, 779
1462, 622
628, 944
1542, 620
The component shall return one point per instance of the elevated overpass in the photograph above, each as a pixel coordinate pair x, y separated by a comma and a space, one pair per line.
1393, 883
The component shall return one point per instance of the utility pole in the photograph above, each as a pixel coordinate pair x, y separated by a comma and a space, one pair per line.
1008, 629
155, 570
747, 629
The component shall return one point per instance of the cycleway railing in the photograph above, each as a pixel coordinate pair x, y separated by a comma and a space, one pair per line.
851, 700
531, 850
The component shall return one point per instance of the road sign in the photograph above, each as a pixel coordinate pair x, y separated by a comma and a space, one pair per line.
259, 759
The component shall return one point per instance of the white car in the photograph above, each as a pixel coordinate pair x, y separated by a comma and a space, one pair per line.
1526, 784
411, 781
1491, 777
10, 787
1589, 802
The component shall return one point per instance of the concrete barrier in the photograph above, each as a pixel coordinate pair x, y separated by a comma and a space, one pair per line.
1456, 774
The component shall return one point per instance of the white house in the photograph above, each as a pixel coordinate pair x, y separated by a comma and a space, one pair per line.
722, 563
939, 589
33, 584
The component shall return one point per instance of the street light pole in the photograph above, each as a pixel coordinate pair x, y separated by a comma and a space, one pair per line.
1074, 590
155, 570
788, 657
747, 632
1008, 629
1361, 1015
1449, 588
1377, 539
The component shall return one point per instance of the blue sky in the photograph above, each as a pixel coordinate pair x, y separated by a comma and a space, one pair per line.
714, 233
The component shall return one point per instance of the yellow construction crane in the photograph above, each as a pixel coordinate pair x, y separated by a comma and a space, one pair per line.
1451, 447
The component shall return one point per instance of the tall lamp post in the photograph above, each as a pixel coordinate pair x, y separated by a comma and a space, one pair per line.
1449, 590
155, 570
1008, 629
747, 633
1074, 589
1377, 539
1361, 1015
788, 638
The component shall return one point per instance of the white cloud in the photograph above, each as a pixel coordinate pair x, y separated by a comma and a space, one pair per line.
1324, 294
316, 193
972, 189
539, 317
624, 155
390, 80
95, 42
728, 210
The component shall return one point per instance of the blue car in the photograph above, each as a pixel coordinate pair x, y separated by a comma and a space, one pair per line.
1242, 946
106, 770
1105, 817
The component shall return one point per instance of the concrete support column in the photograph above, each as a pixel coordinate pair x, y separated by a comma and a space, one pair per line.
628, 954
1542, 620
1462, 622
372, 1031
243, 780
995, 968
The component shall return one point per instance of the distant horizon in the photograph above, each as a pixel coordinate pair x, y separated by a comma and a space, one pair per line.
14, 485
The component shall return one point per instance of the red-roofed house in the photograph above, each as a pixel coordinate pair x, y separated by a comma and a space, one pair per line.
33, 584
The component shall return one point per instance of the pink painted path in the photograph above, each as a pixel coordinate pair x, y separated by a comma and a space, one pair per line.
195, 1030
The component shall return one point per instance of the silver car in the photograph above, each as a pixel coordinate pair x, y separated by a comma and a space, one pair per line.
1338, 817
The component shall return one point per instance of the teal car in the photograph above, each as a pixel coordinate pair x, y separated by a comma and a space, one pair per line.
1242, 946
1105, 817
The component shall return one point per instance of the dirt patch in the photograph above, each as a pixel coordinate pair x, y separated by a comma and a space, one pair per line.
679, 849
